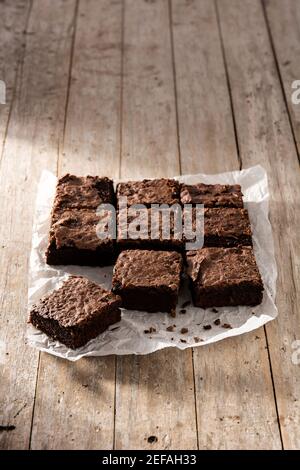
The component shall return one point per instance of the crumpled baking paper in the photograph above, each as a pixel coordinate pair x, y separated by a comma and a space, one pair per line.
141, 332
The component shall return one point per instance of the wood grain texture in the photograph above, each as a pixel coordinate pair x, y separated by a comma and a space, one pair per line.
13, 22
235, 402
92, 135
155, 402
30, 145
283, 19
82, 394
265, 137
149, 144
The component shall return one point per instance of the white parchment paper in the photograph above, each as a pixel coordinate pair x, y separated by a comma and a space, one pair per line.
128, 336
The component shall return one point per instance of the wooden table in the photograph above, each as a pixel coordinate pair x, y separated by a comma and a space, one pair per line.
145, 88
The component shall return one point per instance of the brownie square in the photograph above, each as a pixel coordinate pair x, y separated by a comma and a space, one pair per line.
76, 312
224, 276
74, 240
148, 235
212, 195
147, 192
148, 280
227, 227
82, 192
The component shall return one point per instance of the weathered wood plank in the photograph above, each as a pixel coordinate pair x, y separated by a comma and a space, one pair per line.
82, 394
265, 137
155, 406
31, 145
13, 22
235, 402
149, 144
283, 20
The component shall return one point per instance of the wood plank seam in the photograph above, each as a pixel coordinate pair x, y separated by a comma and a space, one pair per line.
120, 163
175, 82
241, 166
265, 15
74, 26
19, 67
228, 85
57, 166
180, 169
273, 385
121, 91
34, 398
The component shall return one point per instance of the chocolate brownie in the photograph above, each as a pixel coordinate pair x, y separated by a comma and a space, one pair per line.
82, 192
148, 280
225, 227
212, 195
76, 312
224, 276
147, 192
74, 240
143, 230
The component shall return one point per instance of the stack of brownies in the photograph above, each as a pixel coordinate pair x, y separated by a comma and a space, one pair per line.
147, 271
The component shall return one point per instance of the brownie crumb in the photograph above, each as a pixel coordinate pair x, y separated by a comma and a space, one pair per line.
170, 328
172, 339
197, 340
183, 331
207, 327
183, 340
173, 313
214, 310
182, 311
185, 304
151, 330
226, 325
152, 439
217, 321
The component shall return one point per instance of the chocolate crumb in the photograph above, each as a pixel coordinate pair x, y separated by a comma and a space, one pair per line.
172, 339
173, 313
185, 304
152, 439
183, 331
214, 310
197, 340
170, 328
183, 340
207, 327
226, 325
151, 330
217, 321
182, 311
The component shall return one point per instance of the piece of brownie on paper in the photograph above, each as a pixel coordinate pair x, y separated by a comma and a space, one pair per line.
150, 232
76, 312
224, 276
73, 234
147, 192
148, 280
212, 195
74, 240
227, 227
82, 192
